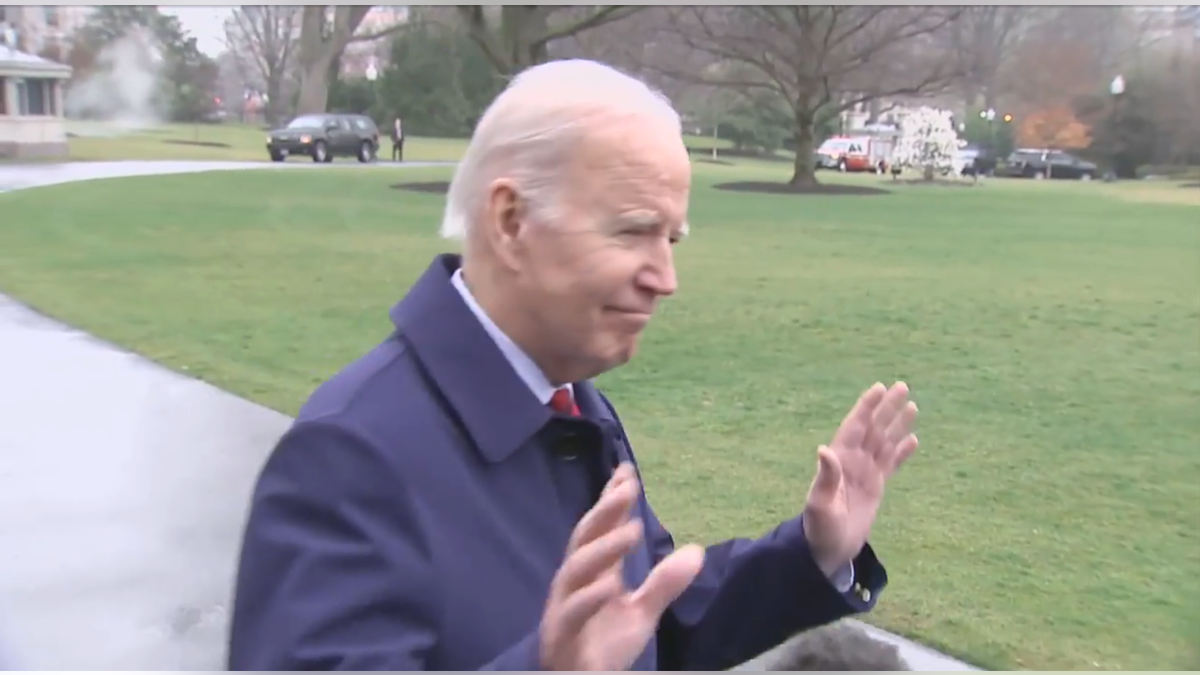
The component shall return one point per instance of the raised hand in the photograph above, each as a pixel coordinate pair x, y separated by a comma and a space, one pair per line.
592, 621
873, 442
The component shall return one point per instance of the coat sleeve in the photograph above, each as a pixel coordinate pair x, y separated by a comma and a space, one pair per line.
752, 595
336, 571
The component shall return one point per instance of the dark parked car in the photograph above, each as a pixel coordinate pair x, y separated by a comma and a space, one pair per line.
324, 137
1027, 163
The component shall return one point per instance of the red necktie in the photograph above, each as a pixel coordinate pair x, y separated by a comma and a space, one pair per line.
563, 403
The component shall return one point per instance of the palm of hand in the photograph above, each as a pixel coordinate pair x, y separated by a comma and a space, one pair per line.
872, 442
620, 628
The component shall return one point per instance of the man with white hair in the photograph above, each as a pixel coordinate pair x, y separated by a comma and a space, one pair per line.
463, 498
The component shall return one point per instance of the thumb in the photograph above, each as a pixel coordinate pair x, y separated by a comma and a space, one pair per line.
829, 476
668, 580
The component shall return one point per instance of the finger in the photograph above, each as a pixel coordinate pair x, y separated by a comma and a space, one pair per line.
575, 610
828, 479
902, 425
610, 510
904, 450
854, 427
622, 474
596, 557
891, 405
668, 580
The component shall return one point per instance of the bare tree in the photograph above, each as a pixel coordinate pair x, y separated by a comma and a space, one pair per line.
821, 59
515, 37
325, 30
986, 38
629, 43
263, 40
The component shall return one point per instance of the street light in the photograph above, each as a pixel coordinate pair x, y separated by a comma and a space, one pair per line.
990, 116
1116, 88
373, 73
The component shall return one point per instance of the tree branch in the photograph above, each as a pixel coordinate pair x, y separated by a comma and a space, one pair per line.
477, 30
604, 15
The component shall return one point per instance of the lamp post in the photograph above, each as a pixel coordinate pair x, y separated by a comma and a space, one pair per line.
1116, 88
372, 74
990, 116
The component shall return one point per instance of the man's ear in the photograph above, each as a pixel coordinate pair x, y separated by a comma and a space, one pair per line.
505, 216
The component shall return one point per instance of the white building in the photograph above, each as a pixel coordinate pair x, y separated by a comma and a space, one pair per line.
31, 105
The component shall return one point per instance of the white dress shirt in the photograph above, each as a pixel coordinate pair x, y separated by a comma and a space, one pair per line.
539, 384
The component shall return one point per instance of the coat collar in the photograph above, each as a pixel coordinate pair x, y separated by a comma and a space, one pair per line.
495, 406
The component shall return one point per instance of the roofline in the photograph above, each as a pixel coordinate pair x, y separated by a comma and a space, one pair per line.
21, 69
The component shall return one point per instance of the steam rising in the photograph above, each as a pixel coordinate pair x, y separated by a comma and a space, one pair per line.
121, 93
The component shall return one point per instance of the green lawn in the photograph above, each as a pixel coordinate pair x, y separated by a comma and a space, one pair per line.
1051, 332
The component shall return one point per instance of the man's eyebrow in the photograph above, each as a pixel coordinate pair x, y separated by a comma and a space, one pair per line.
641, 218
645, 218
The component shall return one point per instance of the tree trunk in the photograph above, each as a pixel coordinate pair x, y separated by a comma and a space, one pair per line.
275, 103
928, 173
314, 90
320, 47
803, 167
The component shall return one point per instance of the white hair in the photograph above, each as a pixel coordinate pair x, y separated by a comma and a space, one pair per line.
530, 130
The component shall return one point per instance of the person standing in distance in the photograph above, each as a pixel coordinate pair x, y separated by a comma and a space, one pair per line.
462, 497
397, 140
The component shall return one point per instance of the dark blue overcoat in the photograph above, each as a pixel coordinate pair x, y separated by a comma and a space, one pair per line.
414, 514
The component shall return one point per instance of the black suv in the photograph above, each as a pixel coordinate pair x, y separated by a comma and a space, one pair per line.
1036, 163
324, 137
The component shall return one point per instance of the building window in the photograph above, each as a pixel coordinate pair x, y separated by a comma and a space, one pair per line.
50, 13
35, 97
41, 97
3, 96
21, 105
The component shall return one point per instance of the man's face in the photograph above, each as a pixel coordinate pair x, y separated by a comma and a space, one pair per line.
591, 281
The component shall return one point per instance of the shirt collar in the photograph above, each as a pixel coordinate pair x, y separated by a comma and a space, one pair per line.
526, 369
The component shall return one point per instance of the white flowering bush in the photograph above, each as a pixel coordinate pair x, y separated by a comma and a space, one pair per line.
927, 141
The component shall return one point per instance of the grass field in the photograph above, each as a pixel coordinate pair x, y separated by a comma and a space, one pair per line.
1051, 332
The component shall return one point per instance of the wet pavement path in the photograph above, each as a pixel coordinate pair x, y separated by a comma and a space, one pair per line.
123, 488
16, 176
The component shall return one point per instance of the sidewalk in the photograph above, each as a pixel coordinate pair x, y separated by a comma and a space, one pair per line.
20, 176
122, 495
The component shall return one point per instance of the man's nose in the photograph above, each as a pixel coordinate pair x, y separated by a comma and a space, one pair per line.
659, 276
